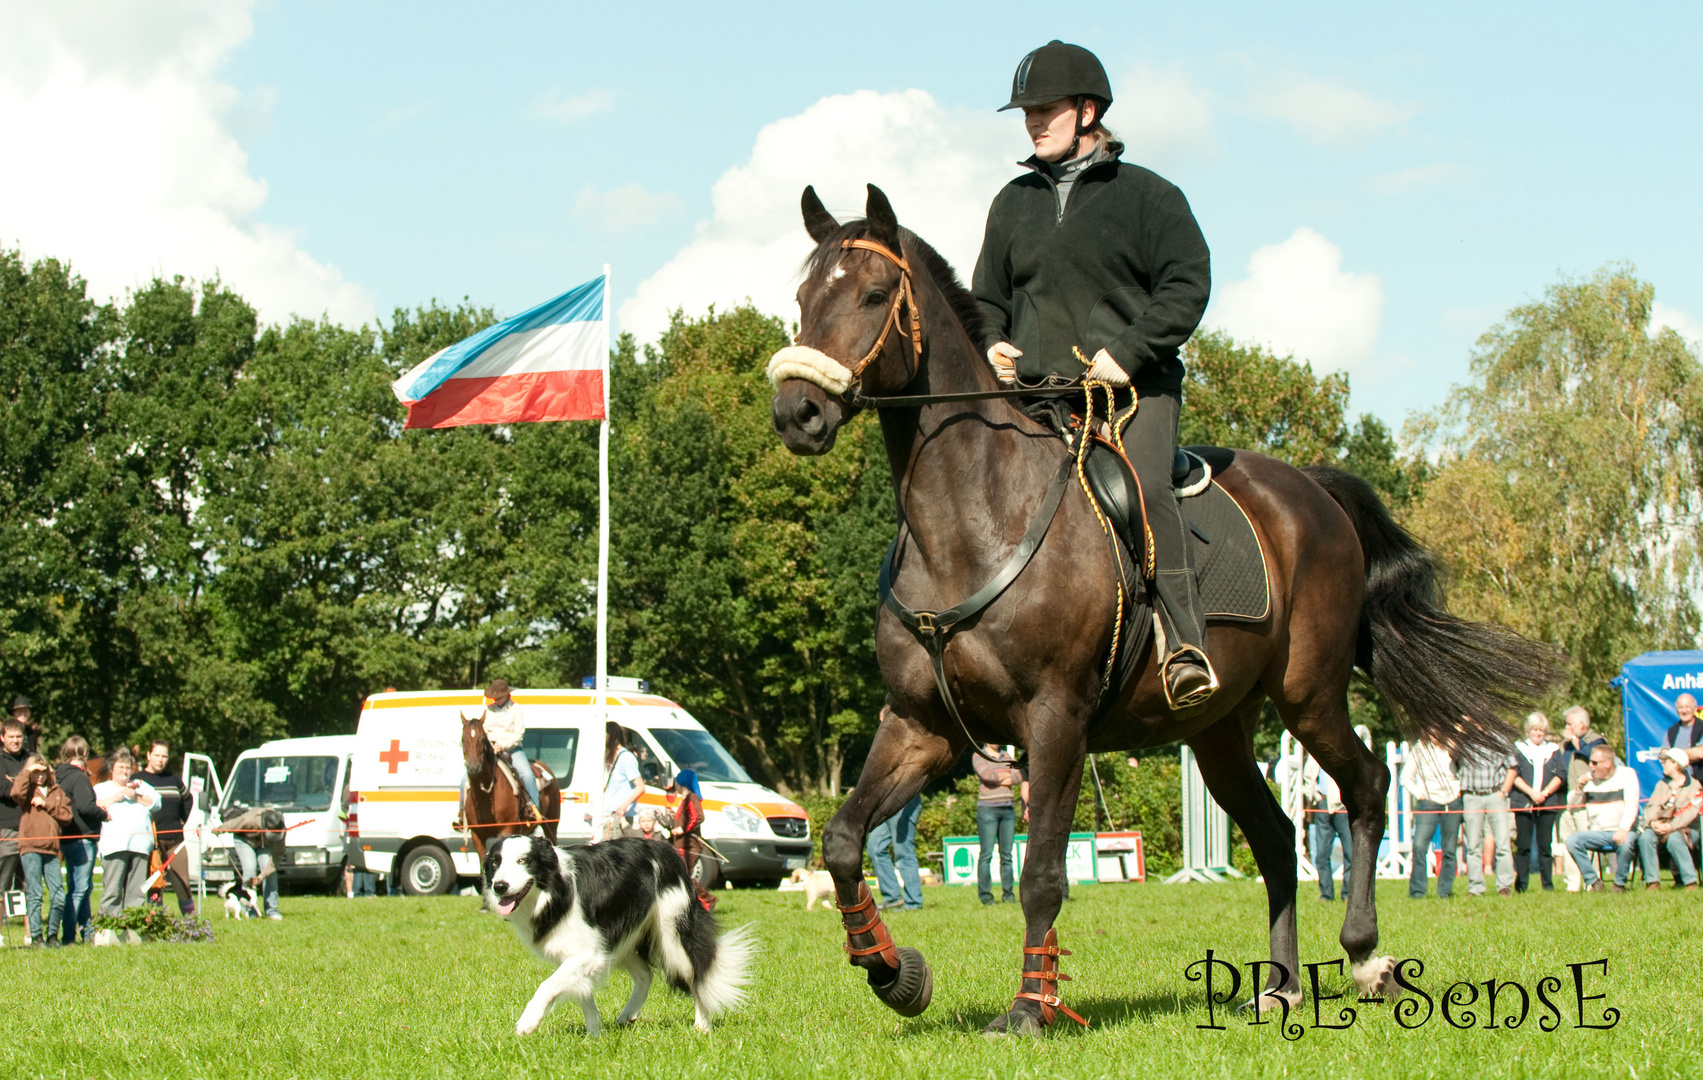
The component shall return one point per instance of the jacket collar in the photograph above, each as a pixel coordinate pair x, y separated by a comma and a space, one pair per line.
1107, 152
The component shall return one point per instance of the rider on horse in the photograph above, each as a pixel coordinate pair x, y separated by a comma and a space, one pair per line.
1089, 259
505, 727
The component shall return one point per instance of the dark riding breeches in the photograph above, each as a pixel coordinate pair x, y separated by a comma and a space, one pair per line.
1150, 440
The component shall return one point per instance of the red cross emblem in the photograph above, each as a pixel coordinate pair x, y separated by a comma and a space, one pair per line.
394, 756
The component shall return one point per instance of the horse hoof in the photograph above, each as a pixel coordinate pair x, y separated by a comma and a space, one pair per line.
911, 989
1013, 1023
1375, 977
1272, 1001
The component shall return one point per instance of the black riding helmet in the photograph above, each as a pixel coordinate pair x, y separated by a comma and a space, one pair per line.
1056, 70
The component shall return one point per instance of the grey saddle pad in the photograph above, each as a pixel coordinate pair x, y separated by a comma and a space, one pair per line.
1227, 557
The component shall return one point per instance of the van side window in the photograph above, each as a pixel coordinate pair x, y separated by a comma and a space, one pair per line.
556, 748
654, 772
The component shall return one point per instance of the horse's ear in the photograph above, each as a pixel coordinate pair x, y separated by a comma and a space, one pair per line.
883, 223
817, 221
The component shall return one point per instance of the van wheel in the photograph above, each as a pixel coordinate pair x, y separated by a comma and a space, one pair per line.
427, 871
708, 871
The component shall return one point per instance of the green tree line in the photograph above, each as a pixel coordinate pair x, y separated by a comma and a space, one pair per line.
218, 532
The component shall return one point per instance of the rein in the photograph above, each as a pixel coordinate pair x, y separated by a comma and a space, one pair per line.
905, 401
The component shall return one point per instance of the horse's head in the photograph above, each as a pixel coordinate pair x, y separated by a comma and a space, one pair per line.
475, 746
859, 327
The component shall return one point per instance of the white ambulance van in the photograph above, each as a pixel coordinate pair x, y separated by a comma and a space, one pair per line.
306, 779
408, 770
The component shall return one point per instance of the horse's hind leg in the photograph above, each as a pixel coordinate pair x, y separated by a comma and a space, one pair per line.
1225, 755
1321, 723
904, 756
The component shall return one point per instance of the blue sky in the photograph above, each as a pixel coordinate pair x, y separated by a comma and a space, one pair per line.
1378, 184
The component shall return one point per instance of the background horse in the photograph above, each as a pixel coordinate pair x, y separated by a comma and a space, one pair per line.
1348, 588
491, 808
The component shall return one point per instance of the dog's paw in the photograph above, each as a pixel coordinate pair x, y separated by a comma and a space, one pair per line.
527, 1023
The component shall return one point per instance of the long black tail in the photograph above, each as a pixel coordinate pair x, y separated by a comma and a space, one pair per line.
1449, 680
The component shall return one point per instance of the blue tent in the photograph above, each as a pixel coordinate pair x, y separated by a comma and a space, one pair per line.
1648, 686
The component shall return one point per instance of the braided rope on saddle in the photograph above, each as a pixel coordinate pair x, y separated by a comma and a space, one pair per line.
874, 927
1048, 973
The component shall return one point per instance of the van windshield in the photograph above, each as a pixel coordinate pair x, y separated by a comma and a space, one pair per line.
698, 750
300, 784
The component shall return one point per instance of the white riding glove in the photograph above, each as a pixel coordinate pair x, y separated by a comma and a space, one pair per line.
1002, 357
1106, 370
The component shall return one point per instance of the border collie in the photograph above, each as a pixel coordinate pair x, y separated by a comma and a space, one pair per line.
623, 903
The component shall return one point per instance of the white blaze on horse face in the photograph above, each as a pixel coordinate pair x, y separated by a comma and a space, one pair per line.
839, 272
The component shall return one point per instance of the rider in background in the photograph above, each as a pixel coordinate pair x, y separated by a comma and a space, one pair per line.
505, 726
1089, 252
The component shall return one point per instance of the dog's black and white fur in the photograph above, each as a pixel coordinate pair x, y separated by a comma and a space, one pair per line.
623, 903
239, 901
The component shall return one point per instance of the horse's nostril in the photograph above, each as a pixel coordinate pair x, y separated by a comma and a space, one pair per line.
809, 417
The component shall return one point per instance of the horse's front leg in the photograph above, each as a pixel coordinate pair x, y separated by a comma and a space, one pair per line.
1055, 767
904, 757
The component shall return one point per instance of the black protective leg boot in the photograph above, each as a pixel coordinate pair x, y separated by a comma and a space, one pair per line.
1185, 670
1151, 442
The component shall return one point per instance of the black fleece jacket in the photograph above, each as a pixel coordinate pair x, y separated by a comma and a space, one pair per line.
86, 814
1123, 267
10, 766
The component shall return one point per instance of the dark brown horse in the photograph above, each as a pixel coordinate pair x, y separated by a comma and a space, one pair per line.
491, 807
1348, 588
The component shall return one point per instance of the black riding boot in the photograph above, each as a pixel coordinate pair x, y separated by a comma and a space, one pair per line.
1151, 442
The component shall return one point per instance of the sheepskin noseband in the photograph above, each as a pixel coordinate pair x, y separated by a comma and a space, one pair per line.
811, 365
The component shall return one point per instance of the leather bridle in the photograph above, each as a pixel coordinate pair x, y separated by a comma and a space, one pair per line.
904, 297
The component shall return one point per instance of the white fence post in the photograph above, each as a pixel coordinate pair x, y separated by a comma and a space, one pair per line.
1206, 830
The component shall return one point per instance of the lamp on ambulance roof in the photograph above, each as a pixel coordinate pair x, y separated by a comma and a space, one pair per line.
618, 683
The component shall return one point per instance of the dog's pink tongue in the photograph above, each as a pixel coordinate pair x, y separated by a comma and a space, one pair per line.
506, 904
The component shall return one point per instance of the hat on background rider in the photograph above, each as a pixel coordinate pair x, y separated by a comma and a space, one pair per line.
1087, 252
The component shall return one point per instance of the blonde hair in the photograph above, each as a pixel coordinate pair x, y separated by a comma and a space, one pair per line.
36, 760
1537, 720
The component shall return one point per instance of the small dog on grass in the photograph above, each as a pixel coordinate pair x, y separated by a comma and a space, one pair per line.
818, 885
239, 901
623, 903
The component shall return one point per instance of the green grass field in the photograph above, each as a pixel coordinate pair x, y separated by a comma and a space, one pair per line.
416, 987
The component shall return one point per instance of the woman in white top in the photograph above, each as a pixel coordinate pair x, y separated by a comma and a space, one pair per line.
127, 835
622, 784
1540, 772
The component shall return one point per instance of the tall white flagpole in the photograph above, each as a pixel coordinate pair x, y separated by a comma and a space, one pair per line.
603, 519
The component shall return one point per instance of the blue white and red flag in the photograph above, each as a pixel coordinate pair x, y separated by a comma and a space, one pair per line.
547, 363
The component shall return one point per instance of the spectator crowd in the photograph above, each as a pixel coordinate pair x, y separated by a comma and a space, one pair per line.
56, 821
1545, 797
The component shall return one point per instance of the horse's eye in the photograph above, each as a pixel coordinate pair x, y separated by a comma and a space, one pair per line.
875, 297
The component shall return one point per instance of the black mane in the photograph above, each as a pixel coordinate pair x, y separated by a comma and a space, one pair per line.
963, 305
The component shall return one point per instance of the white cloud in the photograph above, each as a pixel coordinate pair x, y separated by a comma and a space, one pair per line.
1662, 316
625, 207
1417, 177
554, 105
122, 156
939, 167
1298, 300
1326, 112
1163, 117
